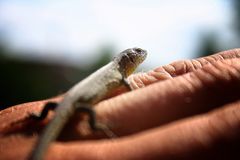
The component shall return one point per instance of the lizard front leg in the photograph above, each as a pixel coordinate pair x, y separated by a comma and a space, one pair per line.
127, 84
87, 108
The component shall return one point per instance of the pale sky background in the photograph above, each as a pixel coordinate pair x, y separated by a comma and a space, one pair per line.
73, 31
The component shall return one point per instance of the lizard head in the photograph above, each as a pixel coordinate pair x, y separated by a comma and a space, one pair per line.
129, 60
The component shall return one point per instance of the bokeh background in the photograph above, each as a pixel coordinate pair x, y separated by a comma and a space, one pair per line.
47, 46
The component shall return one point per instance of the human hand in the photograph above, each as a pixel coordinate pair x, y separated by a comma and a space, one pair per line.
186, 110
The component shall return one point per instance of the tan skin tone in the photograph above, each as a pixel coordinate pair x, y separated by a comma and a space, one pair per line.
191, 110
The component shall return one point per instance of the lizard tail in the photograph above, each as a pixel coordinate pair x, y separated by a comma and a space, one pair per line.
50, 133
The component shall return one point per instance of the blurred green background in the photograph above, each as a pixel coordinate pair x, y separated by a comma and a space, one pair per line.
46, 47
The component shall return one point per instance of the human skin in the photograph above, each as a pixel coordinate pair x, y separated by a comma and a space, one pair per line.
185, 110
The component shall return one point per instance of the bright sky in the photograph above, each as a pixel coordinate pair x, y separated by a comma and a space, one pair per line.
69, 29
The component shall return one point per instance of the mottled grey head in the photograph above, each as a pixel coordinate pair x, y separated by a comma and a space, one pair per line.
129, 59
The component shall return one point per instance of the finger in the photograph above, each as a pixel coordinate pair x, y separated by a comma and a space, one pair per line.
193, 93
178, 68
214, 135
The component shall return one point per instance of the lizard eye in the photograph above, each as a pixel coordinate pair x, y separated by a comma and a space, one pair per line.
138, 50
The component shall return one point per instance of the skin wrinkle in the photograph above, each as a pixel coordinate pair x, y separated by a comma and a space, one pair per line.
230, 74
203, 62
140, 80
150, 77
224, 122
178, 67
189, 66
170, 69
182, 67
234, 53
228, 122
159, 74
199, 141
223, 127
209, 131
144, 79
193, 82
133, 82
202, 140
234, 71
187, 87
215, 130
196, 83
216, 72
223, 81
218, 57
230, 67
224, 73
211, 59
205, 77
183, 87
196, 64
236, 114
162, 75
236, 117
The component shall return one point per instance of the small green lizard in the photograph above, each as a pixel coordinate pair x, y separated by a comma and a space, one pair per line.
85, 94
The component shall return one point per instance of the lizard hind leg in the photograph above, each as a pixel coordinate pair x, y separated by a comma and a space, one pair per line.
92, 120
48, 106
33, 116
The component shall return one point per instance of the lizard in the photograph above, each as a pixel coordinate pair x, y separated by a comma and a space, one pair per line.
82, 96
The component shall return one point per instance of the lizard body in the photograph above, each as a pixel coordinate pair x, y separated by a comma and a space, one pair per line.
88, 92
